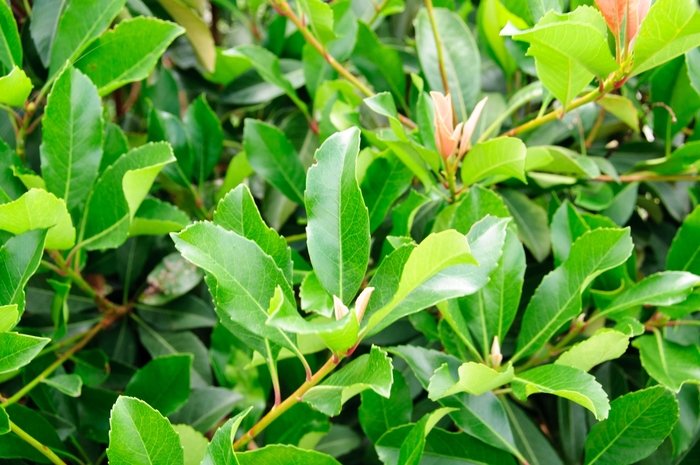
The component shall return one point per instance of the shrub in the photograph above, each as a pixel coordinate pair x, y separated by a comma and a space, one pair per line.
349, 232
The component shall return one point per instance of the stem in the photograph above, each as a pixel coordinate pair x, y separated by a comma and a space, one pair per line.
377, 11
80, 281
684, 322
51, 368
289, 402
596, 127
438, 45
649, 177
62, 344
295, 238
45, 451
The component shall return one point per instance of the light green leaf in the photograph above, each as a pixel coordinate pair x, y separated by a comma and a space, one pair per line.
71, 146
538, 8
44, 24
671, 28
139, 435
9, 316
118, 193
531, 220
669, 363
164, 383
288, 455
155, 217
474, 378
320, 18
492, 17
220, 449
567, 226
338, 228
80, 23
196, 31
127, 53
638, 424
368, 371
10, 46
15, 88
569, 50
604, 345
412, 447
19, 259
664, 288
386, 179
29, 178
314, 298
193, 442
622, 108
438, 252
238, 169
504, 157
565, 161
378, 414
461, 58
558, 298
563, 381
38, 209
206, 137
237, 212
69, 384
684, 253
17, 350
242, 289
272, 156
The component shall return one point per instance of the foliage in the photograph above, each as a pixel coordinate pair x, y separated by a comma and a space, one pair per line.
357, 232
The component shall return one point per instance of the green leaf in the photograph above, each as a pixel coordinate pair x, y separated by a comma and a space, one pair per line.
267, 65
437, 253
92, 366
4, 422
237, 212
206, 408
378, 414
10, 46
492, 16
29, 178
15, 88
403, 215
187, 312
171, 278
71, 146
386, 179
563, 381
304, 427
569, 50
338, 228
661, 289
163, 126
220, 449
558, 298
206, 137
369, 371
460, 54
196, 31
10, 186
320, 18
604, 345
314, 298
622, 108
36, 425
273, 157
671, 28
155, 217
137, 43
19, 259
684, 253
164, 383
531, 220
140, 435
193, 442
43, 26
118, 193
38, 209
238, 169
503, 157
638, 424
671, 84
413, 445
669, 363
242, 289
529, 437
565, 161
288, 455
474, 378
115, 145
9, 316
567, 226
80, 23
17, 350
70, 385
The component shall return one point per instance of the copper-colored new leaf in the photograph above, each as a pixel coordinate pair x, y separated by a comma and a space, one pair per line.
627, 13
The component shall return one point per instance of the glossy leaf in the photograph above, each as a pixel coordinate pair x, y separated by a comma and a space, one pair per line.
72, 131
379, 414
17, 350
531, 220
155, 217
206, 137
684, 253
529, 437
386, 179
503, 157
289, 455
15, 88
602, 346
19, 259
669, 363
140, 435
45, 17
206, 408
638, 424
127, 53
474, 378
220, 449
273, 157
338, 230
193, 442
164, 383
594, 252
9, 315
563, 381
70, 385
10, 47
196, 31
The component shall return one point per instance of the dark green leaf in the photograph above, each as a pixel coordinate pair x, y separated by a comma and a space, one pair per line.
378, 414
386, 179
164, 383
220, 450
206, 137
206, 408
19, 259
669, 363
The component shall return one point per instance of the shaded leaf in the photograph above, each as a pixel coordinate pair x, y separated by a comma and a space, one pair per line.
669, 363
164, 383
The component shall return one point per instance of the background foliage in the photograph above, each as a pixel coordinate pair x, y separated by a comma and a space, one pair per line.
349, 232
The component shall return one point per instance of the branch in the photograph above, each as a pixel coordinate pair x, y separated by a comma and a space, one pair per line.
45, 451
641, 177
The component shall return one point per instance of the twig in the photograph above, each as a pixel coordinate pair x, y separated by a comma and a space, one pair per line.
45, 451
438, 45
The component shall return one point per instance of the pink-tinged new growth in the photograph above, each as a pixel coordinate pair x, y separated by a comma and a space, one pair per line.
361, 303
340, 309
496, 356
449, 138
624, 13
